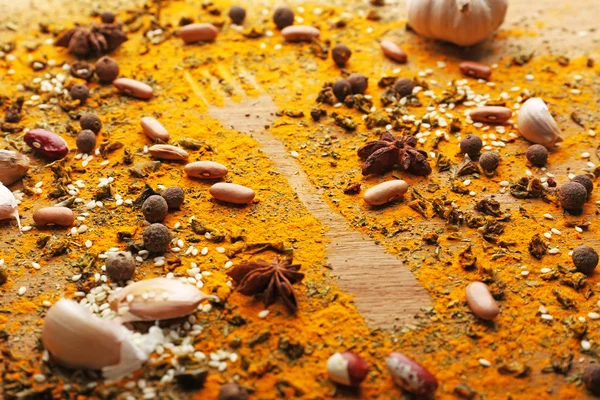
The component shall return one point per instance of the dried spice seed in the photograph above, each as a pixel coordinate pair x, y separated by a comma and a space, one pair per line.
585, 259
471, 145
237, 14
341, 89
90, 122
80, 92
283, 17
232, 391
404, 87
82, 70
86, 141
97, 39
537, 155
174, 196
489, 160
359, 83
120, 266
157, 238
107, 69
107, 17
586, 182
341, 54
155, 209
572, 195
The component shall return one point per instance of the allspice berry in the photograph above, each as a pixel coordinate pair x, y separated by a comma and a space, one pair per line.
157, 238
341, 54
591, 378
155, 209
572, 196
537, 155
120, 266
489, 160
283, 17
587, 183
107, 69
107, 17
86, 141
585, 259
471, 144
91, 122
232, 391
359, 83
341, 89
174, 196
237, 14
404, 86
79, 92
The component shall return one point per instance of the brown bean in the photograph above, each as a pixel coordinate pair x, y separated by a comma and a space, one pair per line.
13, 166
168, 152
410, 375
385, 192
481, 301
62, 216
491, 114
300, 33
475, 70
154, 129
232, 193
198, 32
393, 51
47, 143
133, 88
206, 170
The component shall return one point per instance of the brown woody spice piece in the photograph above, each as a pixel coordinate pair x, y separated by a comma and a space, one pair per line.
157, 238
489, 160
475, 70
585, 259
174, 196
404, 86
471, 145
586, 182
91, 122
572, 195
86, 141
341, 54
120, 265
107, 69
237, 14
283, 17
359, 83
155, 209
232, 391
537, 155
341, 89
79, 92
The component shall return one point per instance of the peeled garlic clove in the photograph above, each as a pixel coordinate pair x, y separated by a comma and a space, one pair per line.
77, 338
156, 299
462, 22
8, 205
537, 125
13, 166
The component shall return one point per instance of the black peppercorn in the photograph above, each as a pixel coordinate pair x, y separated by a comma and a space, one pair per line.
232, 391
283, 17
107, 69
174, 196
237, 14
591, 378
537, 155
79, 92
155, 209
82, 70
120, 266
342, 89
91, 122
572, 196
157, 238
359, 83
585, 259
587, 183
489, 160
341, 54
86, 141
404, 86
471, 144
107, 17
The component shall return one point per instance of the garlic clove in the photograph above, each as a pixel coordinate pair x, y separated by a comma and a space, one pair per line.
13, 166
8, 205
77, 338
536, 124
156, 299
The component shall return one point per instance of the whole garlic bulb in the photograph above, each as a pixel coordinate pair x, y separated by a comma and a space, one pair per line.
536, 124
9, 208
462, 22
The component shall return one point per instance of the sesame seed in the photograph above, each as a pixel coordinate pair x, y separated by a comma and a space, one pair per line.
555, 231
76, 277
35, 265
586, 345
548, 216
554, 250
22, 290
263, 314
593, 315
547, 235
485, 362
220, 250
545, 270
547, 317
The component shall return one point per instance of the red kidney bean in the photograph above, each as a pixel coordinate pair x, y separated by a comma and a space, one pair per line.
300, 33
491, 114
198, 32
410, 375
475, 70
393, 51
46, 143
133, 88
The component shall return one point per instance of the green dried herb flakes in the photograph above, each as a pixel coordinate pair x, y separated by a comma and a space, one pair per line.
108, 147
345, 122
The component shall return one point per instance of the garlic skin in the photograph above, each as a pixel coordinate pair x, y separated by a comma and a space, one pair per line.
156, 299
462, 22
77, 338
8, 205
536, 124
13, 166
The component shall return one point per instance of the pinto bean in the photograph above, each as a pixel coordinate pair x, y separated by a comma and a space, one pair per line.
206, 170
154, 129
232, 193
481, 301
198, 33
393, 51
385, 192
46, 143
491, 114
168, 152
133, 88
410, 375
475, 70
300, 33
62, 216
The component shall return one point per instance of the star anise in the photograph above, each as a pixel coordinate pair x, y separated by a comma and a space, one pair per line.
382, 155
97, 39
271, 279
